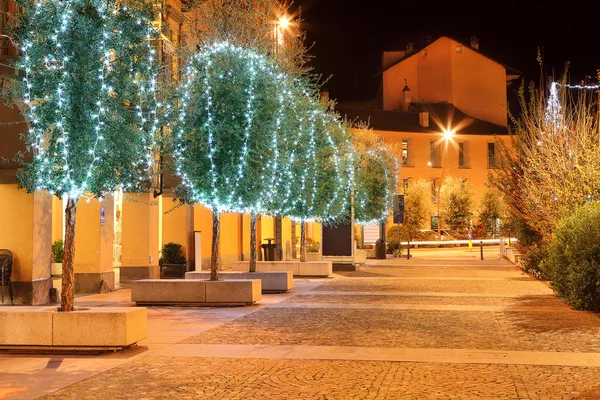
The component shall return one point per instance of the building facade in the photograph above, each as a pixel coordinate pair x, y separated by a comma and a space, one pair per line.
445, 106
119, 238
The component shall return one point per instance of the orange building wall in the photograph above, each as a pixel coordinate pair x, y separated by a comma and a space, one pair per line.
434, 79
393, 83
477, 173
479, 86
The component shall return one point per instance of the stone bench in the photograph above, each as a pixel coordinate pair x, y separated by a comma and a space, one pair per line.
98, 328
196, 292
271, 282
308, 268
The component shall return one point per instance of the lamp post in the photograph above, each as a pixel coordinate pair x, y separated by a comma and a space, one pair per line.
448, 133
283, 23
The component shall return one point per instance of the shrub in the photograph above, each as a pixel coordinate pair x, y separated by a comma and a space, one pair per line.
312, 246
573, 261
171, 253
58, 251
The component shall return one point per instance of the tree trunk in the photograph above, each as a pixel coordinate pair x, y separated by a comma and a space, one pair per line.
68, 270
252, 242
302, 241
214, 255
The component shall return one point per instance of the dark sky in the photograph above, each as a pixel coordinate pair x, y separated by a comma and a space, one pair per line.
349, 35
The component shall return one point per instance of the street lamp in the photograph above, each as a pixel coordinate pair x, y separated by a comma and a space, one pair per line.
283, 23
448, 133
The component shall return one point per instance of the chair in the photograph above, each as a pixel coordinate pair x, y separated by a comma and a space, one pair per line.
5, 272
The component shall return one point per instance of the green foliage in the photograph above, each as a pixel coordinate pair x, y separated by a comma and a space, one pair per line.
312, 246
89, 94
417, 208
251, 139
456, 202
491, 209
58, 250
171, 253
573, 261
375, 176
392, 241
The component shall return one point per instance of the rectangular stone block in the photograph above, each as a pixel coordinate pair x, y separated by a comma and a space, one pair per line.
266, 266
26, 326
233, 291
315, 268
168, 291
100, 327
271, 282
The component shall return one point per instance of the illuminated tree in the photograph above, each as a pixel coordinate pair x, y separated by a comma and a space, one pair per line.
418, 208
553, 165
376, 171
89, 95
491, 209
318, 171
226, 141
456, 200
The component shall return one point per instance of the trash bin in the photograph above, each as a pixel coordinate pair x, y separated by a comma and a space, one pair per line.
380, 250
269, 250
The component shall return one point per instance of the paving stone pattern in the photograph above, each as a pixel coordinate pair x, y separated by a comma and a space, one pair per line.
355, 309
213, 378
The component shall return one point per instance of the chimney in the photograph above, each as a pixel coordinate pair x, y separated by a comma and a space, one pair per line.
474, 42
424, 119
406, 97
410, 47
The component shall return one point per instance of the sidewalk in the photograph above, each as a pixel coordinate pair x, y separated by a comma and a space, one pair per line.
441, 325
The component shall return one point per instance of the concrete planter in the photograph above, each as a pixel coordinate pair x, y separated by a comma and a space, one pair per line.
313, 257
56, 269
196, 292
271, 282
360, 256
103, 328
172, 271
309, 268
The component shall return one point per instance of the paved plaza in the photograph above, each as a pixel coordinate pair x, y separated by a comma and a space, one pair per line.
443, 325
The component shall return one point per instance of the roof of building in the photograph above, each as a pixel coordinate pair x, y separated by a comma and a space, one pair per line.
509, 70
442, 116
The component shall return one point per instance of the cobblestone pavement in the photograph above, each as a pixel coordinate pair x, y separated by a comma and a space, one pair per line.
213, 378
316, 343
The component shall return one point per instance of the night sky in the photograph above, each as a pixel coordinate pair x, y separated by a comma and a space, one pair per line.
349, 35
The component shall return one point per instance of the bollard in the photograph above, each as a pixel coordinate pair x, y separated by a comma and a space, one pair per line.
408, 251
481, 247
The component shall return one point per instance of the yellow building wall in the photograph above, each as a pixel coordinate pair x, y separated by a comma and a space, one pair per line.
94, 241
267, 229
16, 214
140, 230
230, 238
57, 219
174, 222
286, 236
434, 80
203, 223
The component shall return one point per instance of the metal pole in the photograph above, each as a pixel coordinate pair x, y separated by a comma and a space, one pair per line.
408, 250
481, 247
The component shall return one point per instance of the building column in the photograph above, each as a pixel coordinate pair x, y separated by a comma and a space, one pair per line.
27, 233
94, 240
178, 227
140, 241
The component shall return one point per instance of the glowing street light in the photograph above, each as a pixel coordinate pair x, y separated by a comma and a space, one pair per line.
284, 22
448, 134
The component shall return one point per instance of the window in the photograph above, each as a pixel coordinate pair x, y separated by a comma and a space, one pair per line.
405, 183
459, 49
407, 159
463, 155
434, 154
491, 155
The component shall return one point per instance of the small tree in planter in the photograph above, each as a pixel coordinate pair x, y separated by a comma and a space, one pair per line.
89, 96
172, 261
58, 251
232, 103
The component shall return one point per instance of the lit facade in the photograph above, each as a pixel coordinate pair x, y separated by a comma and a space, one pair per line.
445, 106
